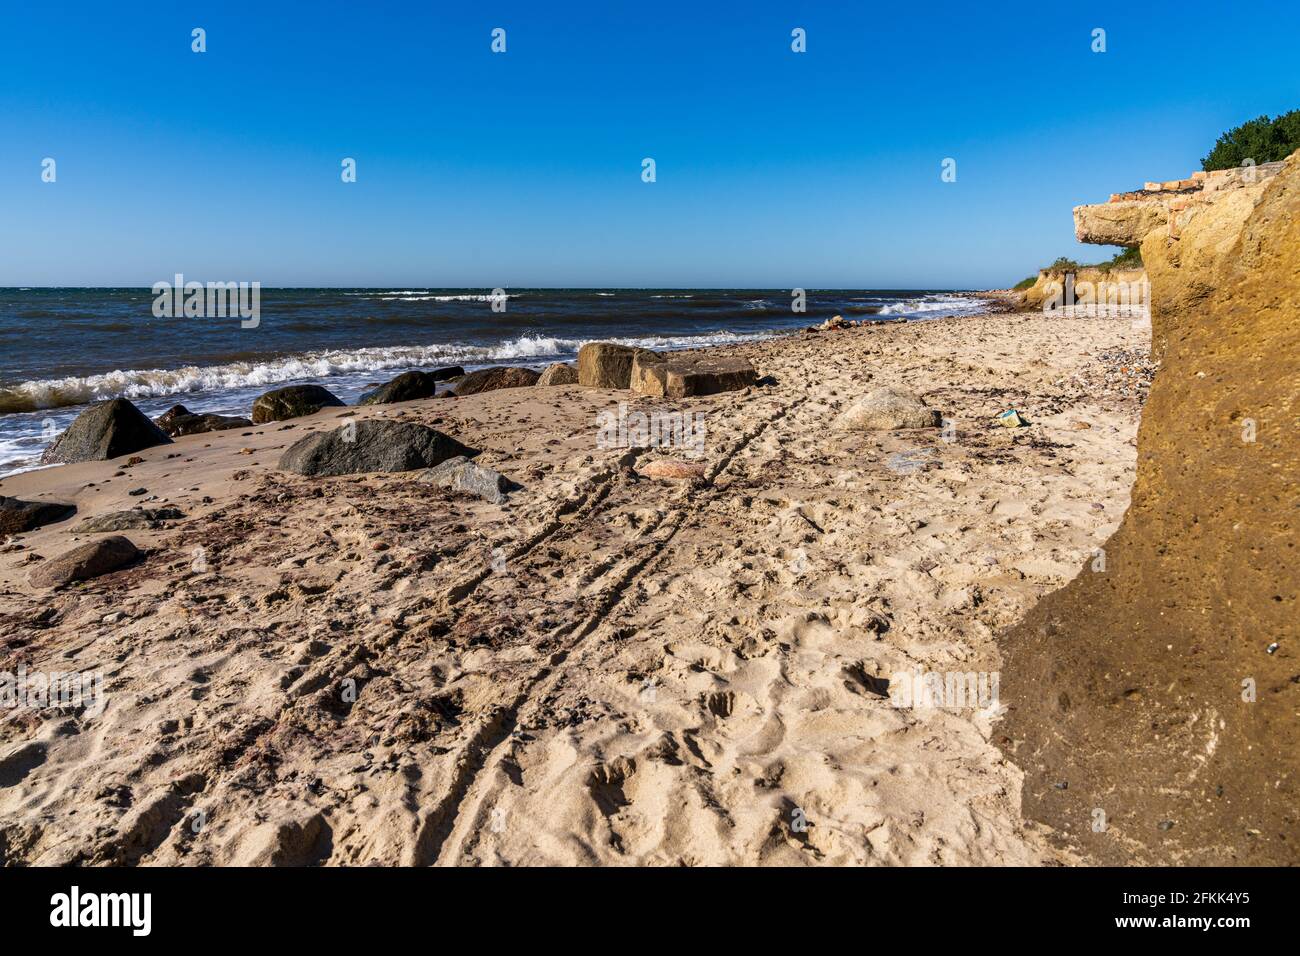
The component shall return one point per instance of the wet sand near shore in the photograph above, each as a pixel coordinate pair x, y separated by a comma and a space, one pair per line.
608, 669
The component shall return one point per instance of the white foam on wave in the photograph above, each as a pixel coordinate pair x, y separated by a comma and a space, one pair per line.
939, 303
441, 298
154, 383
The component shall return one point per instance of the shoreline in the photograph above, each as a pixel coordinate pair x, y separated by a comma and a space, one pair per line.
636, 670
345, 340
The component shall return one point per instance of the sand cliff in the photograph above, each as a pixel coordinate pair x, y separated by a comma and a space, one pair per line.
1153, 701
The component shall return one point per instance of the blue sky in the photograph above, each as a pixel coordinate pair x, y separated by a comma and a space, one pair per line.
775, 169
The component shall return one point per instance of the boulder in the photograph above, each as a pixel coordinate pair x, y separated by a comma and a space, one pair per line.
461, 474
88, 561
373, 445
678, 376
499, 376
888, 408
143, 518
18, 516
179, 420
561, 373
293, 401
606, 364
407, 387
103, 431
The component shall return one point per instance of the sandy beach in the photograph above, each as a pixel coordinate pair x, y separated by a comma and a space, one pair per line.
607, 669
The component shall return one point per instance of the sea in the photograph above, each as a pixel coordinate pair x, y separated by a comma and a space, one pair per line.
62, 349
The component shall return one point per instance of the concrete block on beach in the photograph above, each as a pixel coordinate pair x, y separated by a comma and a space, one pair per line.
105, 430
607, 364
678, 376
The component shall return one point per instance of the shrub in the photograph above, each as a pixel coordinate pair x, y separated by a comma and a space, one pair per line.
1024, 283
1261, 140
1124, 259
1063, 265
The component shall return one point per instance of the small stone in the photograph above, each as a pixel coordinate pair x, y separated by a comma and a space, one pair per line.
461, 474
672, 469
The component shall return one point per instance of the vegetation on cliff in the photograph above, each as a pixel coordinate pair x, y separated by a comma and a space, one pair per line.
1124, 259
1259, 140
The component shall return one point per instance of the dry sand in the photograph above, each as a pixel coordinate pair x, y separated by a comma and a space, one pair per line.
608, 669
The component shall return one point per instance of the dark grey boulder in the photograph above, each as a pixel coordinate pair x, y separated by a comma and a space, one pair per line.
370, 446
293, 401
407, 387
461, 474
499, 376
179, 420
147, 518
88, 561
18, 516
105, 430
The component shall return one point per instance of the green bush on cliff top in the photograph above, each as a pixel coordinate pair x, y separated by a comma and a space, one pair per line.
1260, 140
1124, 259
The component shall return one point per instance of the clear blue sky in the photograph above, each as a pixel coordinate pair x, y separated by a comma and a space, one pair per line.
775, 169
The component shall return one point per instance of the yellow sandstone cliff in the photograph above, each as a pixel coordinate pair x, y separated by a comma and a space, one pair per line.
1154, 702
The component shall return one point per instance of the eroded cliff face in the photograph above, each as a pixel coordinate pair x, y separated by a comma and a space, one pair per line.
1154, 702
1091, 286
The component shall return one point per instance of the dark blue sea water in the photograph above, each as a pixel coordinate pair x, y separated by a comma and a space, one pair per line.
61, 349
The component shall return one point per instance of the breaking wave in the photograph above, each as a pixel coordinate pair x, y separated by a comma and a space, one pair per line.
153, 383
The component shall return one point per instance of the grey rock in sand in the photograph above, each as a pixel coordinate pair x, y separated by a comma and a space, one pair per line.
410, 386
149, 519
372, 445
461, 474
88, 561
293, 402
179, 420
561, 373
499, 376
103, 431
18, 516
888, 408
